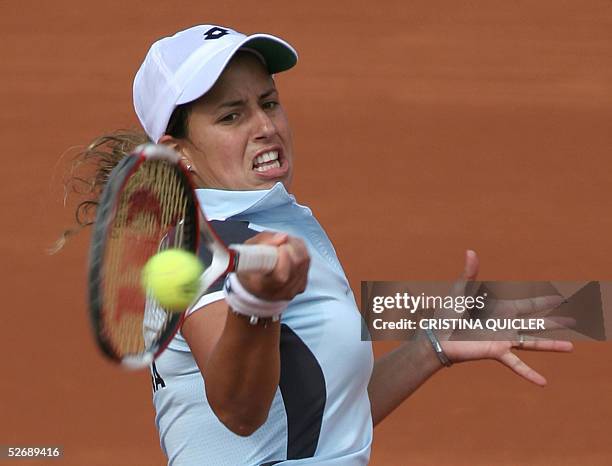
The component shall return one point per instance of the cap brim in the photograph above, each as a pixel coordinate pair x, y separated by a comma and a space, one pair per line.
279, 55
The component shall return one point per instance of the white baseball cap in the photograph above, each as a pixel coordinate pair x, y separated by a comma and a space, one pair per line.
183, 67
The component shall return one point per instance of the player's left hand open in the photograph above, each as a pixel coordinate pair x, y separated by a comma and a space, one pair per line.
459, 351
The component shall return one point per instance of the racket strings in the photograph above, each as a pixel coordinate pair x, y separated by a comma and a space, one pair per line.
150, 216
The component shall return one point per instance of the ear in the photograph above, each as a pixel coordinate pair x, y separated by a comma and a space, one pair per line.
179, 147
170, 141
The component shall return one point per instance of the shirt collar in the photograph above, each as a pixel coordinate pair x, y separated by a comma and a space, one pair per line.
219, 204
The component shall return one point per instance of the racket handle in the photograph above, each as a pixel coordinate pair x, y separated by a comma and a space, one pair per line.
255, 257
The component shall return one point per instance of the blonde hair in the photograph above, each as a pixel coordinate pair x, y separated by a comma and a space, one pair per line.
89, 172
92, 166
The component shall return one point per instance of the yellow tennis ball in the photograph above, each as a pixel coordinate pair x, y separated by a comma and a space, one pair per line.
172, 277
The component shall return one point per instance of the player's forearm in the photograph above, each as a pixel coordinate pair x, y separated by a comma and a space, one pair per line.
242, 374
398, 374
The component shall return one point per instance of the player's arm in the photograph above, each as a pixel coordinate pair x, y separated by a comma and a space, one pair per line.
239, 361
398, 374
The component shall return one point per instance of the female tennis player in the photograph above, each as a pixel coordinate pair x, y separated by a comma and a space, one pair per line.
303, 389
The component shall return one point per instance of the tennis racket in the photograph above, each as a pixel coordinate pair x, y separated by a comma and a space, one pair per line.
149, 205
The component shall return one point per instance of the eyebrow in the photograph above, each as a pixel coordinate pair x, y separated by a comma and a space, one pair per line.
240, 102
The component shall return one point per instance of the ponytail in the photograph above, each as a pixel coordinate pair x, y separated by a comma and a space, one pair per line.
89, 173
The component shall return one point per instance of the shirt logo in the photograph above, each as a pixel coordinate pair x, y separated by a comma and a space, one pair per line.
156, 379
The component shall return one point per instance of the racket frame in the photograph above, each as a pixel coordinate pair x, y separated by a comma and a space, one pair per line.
224, 259
108, 206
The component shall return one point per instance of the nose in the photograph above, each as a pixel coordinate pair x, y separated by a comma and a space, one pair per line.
264, 126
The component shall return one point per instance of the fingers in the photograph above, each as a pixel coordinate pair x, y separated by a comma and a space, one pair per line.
470, 272
268, 237
519, 367
552, 323
290, 275
537, 344
529, 306
292, 267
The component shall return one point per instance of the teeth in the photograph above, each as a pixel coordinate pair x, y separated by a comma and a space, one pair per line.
267, 157
275, 164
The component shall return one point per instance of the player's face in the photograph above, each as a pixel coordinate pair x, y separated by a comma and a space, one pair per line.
238, 133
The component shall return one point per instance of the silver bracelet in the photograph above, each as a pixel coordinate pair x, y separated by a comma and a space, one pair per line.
438, 348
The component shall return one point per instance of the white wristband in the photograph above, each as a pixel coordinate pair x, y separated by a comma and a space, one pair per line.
243, 302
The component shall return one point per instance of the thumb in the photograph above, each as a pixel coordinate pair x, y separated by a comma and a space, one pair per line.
269, 238
472, 265
470, 271
278, 238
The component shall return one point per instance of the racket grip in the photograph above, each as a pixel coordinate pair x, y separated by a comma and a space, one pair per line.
255, 257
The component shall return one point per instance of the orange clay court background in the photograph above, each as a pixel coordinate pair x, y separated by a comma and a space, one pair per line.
421, 128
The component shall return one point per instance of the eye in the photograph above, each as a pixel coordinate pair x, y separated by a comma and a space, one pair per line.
229, 118
270, 105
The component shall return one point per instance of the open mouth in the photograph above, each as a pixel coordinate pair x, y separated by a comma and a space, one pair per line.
266, 161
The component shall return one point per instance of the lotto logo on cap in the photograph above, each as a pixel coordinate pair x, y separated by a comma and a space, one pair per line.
183, 67
215, 33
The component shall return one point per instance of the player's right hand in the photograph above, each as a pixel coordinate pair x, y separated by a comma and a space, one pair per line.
290, 275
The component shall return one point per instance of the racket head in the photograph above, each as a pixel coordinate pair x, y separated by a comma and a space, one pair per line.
148, 205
